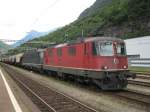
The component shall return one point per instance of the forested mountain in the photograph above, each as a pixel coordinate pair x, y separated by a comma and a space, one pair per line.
97, 6
120, 18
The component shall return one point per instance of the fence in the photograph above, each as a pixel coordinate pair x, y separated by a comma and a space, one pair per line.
139, 62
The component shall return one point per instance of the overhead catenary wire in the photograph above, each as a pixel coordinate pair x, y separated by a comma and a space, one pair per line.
43, 12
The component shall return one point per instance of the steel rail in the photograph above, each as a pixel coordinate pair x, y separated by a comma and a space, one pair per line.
141, 83
135, 96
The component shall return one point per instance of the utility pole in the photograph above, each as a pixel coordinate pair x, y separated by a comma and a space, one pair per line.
82, 32
66, 36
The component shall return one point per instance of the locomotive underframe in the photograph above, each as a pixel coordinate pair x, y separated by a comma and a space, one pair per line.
107, 80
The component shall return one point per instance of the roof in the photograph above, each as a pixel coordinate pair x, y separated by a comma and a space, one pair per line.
80, 40
140, 45
102, 39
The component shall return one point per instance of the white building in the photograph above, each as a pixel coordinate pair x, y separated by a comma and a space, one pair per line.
139, 46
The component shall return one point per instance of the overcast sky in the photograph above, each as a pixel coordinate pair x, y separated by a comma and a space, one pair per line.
17, 17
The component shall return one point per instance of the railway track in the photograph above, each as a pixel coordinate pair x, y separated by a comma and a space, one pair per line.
135, 96
47, 99
142, 75
144, 80
141, 83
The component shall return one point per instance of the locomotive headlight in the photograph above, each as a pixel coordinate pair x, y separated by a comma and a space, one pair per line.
125, 67
105, 67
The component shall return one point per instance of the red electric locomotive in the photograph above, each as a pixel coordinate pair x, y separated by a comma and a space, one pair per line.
101, 60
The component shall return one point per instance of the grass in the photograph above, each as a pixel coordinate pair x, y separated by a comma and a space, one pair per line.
140, 69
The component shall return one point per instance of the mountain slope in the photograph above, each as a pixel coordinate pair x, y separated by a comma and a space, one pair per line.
4, 47
31, 35
97, 6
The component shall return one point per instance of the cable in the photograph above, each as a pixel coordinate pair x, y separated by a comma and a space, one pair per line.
42, 12
8, 40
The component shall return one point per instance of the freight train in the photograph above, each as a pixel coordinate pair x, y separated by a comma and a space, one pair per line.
100, 60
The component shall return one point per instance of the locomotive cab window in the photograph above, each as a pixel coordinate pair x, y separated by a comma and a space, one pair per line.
50, 52
72, 51
120, 49
103, 48
59, 52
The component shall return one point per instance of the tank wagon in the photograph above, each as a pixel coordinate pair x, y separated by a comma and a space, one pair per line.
18, 59
14, 59
100, 60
